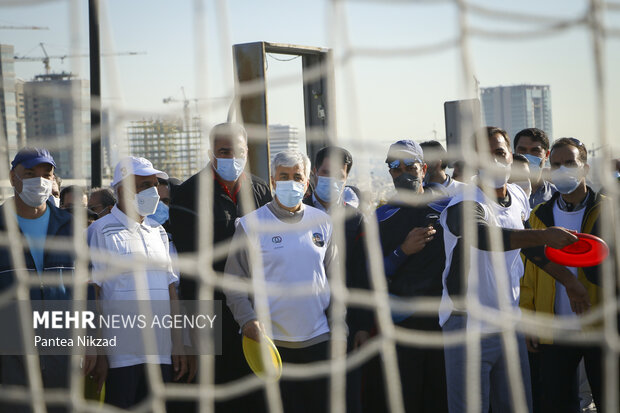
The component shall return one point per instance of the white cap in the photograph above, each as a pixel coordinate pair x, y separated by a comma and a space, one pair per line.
135, 166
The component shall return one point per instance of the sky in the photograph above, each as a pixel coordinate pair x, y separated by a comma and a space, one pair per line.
380, 97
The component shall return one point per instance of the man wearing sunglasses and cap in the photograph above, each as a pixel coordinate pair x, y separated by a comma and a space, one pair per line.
40, 222
124, 233
413, 260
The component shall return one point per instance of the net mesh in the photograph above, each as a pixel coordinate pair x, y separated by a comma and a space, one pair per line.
594, 19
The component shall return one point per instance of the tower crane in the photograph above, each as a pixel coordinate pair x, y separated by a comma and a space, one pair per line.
186, 102
46, 58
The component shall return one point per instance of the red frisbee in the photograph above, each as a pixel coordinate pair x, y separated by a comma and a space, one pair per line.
588, 251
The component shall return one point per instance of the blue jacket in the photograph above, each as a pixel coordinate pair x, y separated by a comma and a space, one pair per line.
60, 264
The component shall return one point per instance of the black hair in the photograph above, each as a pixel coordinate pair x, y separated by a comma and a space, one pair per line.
341, 153
74, 189
537, 135
517, 157
106, 194
576, 143
436, 152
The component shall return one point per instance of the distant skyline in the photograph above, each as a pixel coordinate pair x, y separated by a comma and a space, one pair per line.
380, 98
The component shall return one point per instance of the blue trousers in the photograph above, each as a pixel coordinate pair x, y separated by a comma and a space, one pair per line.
494, 384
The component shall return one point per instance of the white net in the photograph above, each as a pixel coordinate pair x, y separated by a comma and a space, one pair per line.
379, 89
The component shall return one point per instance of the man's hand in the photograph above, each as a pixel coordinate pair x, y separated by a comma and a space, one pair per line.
179, 363
360, 338
253, 330
99, 372
532, 344
88, 363
558, 238
192, 365
578, 296
417, 239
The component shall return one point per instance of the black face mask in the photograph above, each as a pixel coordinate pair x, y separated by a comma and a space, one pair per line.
408, 182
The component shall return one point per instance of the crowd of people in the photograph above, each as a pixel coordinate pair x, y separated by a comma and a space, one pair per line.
458, 239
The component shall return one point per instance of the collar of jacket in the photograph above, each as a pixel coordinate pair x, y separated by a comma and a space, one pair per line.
544, 211
58, 218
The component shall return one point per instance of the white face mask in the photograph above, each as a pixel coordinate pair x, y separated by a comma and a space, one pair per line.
495, 175
55, 201
35, 191
566, 179
146, 201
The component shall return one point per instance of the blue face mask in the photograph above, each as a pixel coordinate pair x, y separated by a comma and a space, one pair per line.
162, 213
229, 169
290, 193
328, 189
535, 164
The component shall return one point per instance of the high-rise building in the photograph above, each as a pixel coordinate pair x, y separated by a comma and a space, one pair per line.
514, 108
52, 103
168, 146
8, 100
282, 138
21, 112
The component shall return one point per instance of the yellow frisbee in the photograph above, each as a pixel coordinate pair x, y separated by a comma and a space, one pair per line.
251, 351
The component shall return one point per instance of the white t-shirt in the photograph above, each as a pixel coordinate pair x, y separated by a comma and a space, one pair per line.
569, 220
118, 234
293, 255
482, 262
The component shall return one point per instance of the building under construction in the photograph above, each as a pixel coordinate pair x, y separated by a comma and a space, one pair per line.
172, 148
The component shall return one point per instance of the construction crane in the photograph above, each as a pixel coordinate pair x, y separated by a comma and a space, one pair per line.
185, 106
46, 58
24, 28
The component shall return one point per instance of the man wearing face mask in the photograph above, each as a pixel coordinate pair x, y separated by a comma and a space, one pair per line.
520, 173
295, 243
226, 169
40, 223
413, 261
577, 207
494, 205
533, 143
127, 232
101, 202
435, 157
328, 194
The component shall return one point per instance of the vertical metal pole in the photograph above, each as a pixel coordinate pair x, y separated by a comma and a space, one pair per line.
95, 93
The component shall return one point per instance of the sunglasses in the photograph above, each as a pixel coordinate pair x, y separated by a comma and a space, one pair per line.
396, 163
575, 141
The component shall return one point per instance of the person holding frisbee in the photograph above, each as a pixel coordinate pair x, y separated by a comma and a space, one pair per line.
294, 241
576, 207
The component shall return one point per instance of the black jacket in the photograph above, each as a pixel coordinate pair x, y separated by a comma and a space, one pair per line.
184, 214
356, 268
420, 274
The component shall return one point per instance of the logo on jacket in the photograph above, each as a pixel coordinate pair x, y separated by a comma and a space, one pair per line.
277, 239
318, 240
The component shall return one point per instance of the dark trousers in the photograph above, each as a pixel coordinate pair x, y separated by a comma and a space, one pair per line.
127, 386
559, 377
309, 395
422, 374
422, 371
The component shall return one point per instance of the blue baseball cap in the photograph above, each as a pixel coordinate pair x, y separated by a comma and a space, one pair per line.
405, 149
29, 157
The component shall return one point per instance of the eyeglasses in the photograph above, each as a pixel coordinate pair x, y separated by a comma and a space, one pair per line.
408, 162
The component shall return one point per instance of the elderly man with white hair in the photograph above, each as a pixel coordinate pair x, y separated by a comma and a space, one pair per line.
295, 243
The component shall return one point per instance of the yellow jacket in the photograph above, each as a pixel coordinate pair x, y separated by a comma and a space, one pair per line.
538, 287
